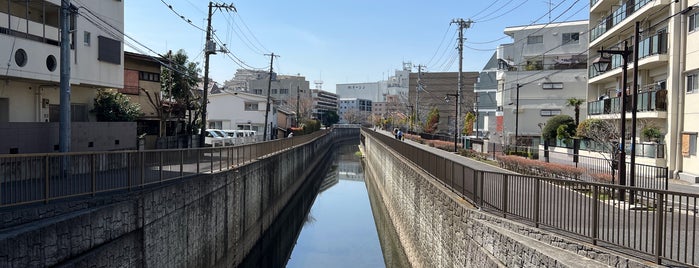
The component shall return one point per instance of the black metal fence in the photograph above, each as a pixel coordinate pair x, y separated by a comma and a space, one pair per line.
32, 178
656, 225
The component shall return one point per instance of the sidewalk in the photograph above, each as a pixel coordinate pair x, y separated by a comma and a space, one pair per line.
673, 185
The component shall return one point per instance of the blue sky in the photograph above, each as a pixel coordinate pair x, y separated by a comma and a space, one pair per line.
338, 41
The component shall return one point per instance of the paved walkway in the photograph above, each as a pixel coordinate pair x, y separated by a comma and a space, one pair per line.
674, 185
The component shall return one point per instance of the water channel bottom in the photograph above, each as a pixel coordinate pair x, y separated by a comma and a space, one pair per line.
339, 230
331, 222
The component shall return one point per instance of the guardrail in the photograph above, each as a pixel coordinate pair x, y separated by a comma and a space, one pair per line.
33, 178
653, 224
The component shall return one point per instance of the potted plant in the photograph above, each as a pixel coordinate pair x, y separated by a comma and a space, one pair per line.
652, 133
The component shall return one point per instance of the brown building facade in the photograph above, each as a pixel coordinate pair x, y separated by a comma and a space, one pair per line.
434, 93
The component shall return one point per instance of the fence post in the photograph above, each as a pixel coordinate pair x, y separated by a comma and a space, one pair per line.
537, 202
475, 185
504, 195
47, 193
481, 179
198, 158
595, 214
660, 210
93, 175
141, 162
181, 163
129, 175
161, 167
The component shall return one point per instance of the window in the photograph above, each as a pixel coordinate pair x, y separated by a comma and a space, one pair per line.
251, 106
216, 124
549, 112
258, 91
148, 76
693, 22
274, 91
535, 39
692, 83
86, 38
552, 85
689, 144
571, 38
284, 91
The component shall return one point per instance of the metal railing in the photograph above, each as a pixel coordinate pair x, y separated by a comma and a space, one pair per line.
32, 178
652, 224
617, 16
653, 100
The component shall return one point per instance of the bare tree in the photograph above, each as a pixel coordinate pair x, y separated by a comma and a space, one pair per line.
605, 136
352, 116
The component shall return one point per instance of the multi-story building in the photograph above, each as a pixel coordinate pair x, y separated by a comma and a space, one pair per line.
323, 102
395, 86
437, 91
352, 110
486, 102
667, 78
538, 72
142, 86
30, 36
284, 88
237, 110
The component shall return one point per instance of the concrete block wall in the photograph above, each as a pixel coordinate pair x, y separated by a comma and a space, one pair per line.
193, 222
440, 229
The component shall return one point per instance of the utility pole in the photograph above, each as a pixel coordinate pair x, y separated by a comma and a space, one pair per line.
298, 97
462, 25
417, 89
64, 132
269, 91
210, 48
517, 117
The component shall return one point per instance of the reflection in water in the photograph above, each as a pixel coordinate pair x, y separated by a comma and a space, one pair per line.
343, 234
393, 252
338, 231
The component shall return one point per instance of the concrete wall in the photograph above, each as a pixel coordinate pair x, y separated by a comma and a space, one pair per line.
195, 222
439, 229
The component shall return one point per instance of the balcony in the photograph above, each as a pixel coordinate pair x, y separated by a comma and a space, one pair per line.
617, 16
650, 46
648, 101
19, 27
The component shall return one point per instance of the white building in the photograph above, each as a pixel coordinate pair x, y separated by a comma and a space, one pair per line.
396, 85
353, 111
240, 111
547, 64
29, 36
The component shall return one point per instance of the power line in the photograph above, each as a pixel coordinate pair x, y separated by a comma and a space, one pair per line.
486, 8
494, 11
440, 44
181, 16
503, 14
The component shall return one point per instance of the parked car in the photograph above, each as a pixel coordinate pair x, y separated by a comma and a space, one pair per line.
223, 136
241, 136
215, 137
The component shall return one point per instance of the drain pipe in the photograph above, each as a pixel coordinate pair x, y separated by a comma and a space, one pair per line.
681, 94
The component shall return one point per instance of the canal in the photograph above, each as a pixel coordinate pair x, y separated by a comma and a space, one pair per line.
334, 221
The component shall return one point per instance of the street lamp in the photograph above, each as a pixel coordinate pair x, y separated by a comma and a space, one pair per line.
601, 65
456, 119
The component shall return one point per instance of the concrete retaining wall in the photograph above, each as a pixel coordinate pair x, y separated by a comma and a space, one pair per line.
194, 222
440, 229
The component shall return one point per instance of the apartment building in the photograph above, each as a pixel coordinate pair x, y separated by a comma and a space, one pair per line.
323, 102
538, 72
667, 82
30, 38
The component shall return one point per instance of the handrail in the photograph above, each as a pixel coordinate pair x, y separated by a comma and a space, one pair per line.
33, 178
653, 224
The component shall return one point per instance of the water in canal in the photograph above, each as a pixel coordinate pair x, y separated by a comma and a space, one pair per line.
332, 223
